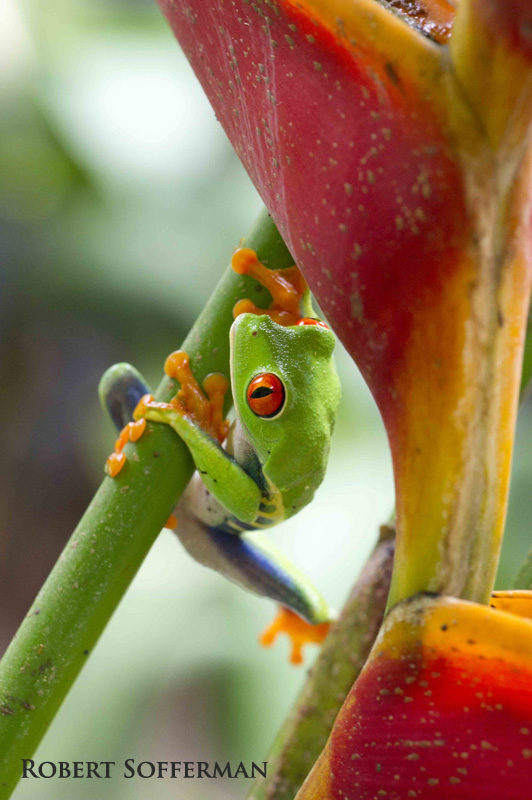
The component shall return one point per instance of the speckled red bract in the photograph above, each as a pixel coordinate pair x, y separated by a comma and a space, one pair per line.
347, 158
445, 728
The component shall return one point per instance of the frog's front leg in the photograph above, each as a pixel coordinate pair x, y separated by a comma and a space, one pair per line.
223, 477
200, 425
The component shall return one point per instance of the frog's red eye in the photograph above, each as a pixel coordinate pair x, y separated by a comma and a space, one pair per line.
266, 395
312, 321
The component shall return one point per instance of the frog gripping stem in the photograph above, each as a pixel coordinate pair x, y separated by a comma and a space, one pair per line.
121, 389
246, 558
207, 411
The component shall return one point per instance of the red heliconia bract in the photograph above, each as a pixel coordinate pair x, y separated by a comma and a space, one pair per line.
442, 711
395, 166
391, 143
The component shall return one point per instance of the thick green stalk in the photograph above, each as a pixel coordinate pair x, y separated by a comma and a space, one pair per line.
112, 539
344, 653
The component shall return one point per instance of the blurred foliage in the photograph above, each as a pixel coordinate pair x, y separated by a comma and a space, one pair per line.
120, 203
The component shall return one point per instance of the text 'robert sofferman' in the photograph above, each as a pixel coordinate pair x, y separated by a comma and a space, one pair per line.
142, 769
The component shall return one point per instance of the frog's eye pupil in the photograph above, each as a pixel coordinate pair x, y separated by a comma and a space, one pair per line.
266, 395
262, 391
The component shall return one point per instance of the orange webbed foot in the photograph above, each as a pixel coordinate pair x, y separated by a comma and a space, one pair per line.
286, 286
129, 433
297, 629
204, 406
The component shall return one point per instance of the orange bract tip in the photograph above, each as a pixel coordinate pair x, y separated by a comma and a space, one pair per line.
297, 629
175, 361
517, 602
136, 429
171, 522
114, 464
242, 259
140, 410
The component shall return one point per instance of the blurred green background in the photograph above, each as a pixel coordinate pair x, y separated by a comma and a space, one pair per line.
120, 204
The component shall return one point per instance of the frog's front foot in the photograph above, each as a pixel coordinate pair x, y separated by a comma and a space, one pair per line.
120, 389
202, 406
298, 631
286, 286
129, 433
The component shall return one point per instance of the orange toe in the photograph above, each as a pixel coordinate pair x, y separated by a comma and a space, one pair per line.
297, 629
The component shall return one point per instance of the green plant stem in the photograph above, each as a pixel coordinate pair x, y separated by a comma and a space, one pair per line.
526, 378
112, 539
344, 653
523, 579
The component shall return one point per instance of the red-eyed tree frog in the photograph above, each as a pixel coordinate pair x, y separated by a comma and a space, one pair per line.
285, 392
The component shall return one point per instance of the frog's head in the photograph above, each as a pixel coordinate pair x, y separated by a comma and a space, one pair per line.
286, 393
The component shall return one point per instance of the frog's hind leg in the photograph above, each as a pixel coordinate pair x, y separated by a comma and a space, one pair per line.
250, 560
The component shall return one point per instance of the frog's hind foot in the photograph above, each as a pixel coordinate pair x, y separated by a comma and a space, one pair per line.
298, 631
